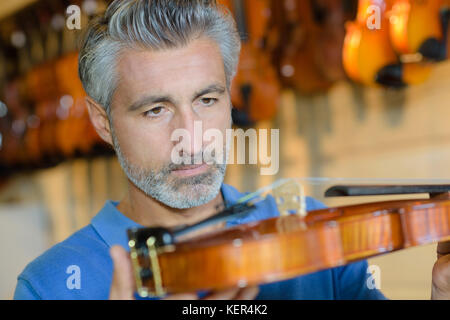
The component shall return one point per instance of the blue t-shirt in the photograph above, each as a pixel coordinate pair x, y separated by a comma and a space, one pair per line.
80, 267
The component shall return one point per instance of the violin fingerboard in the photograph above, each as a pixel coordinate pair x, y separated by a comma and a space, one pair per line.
378, 190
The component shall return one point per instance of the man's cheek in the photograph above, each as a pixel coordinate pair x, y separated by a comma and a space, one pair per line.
142, 148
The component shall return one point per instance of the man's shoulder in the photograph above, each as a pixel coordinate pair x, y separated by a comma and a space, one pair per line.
81, 243
83, 250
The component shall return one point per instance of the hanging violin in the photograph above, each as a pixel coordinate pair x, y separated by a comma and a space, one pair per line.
419, 27
256, 90
297, 57
309, 55
369, 56
293, 244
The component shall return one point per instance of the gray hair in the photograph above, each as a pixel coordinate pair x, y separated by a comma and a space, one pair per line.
154, 25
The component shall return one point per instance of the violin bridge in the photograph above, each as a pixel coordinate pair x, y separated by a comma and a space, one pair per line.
290, 198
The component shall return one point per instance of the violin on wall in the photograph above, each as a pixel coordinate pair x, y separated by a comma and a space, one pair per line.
330, 17
256, 89
419, 26
367, 50
76, 133
309, 55
47, 119
395, 42
14, 114
297, 57
15, 95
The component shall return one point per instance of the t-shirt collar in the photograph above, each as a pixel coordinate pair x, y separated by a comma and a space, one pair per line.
111, 224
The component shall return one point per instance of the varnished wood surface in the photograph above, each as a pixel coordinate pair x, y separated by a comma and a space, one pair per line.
281, 248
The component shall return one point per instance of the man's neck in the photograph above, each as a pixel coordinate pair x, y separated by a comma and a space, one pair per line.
148, 212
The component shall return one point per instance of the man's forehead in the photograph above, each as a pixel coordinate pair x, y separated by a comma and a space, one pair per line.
187, 68
201, 53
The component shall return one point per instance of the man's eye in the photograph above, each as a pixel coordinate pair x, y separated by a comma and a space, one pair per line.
208, 101
154, 112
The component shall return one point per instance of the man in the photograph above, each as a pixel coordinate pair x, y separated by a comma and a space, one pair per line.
151, 67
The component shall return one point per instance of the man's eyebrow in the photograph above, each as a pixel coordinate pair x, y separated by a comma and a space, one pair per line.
210, 89
148, 100
152, 99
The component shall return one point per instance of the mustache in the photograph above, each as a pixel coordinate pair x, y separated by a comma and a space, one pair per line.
202, 157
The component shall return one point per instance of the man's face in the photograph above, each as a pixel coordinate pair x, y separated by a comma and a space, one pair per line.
159, 92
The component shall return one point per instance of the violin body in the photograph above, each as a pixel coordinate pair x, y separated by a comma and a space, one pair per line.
75, 131
255, 90
330, 17
284, 247
367, 50
299, 54
416, 27
369, 56
14, 149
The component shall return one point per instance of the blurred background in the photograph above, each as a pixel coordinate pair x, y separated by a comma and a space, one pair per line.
358, 89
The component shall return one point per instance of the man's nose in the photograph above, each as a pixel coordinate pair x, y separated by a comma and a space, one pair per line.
192, 123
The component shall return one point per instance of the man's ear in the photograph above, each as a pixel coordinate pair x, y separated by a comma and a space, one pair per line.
99, 120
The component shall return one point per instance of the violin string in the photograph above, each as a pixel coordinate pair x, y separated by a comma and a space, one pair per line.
262, 190
323, 180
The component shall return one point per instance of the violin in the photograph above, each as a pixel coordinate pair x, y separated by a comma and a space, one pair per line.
312, 36
330, 17
297, 58
293, 244
15, 95
47, 117
368, 54
255, 91
76, 134
42, 84
419, 26
72, 136
12, 127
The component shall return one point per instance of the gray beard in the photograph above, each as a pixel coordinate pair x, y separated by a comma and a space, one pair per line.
179, 193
